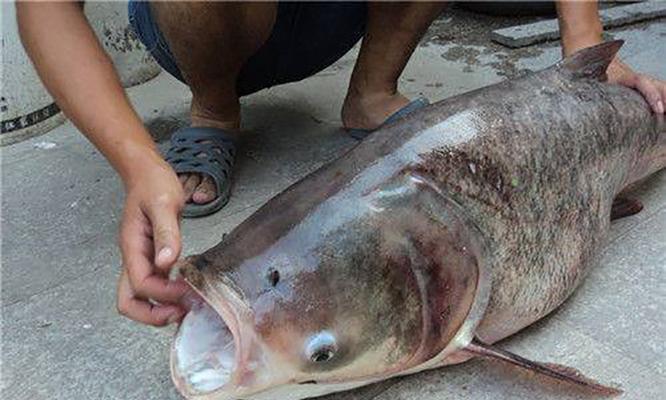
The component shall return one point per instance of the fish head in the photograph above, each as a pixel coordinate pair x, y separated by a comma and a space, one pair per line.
344, 297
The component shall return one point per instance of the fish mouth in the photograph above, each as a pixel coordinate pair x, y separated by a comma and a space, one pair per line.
206, 355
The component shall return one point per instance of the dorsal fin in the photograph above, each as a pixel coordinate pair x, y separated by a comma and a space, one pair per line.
592, 62
559, 372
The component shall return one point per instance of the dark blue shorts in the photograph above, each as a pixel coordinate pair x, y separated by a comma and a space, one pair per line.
306, 38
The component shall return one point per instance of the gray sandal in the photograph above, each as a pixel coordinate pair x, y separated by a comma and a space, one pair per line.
420, 102
207, 151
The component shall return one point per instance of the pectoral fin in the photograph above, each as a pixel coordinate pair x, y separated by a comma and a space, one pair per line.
625, 207
559, 372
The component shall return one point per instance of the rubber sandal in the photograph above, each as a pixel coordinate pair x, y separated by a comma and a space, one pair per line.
420, 102
207, 151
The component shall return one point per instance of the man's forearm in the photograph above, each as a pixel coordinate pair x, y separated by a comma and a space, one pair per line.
80, 76
580, 26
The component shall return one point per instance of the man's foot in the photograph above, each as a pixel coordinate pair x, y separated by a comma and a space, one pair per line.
368, 112
205, 154
201, 188
375, 116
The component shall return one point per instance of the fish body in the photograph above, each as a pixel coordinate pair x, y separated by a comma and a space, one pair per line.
472, 218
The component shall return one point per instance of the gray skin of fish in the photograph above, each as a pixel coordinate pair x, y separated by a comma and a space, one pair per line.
474, 217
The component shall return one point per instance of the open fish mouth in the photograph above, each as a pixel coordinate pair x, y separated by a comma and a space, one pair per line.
205, 356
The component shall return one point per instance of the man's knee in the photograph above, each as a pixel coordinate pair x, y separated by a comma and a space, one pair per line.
244, 23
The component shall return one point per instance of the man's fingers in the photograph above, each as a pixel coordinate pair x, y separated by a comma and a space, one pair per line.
649, 89
137, 260
144, 311
151, 314
158, 288
139, 235
662, 89
166, 234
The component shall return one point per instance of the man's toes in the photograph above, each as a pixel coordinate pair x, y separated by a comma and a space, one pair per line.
205, 192
190, 185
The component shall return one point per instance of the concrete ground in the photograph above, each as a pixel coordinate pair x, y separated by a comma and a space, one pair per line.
61, 204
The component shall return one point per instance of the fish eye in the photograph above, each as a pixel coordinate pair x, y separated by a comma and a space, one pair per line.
322, 355
321, 347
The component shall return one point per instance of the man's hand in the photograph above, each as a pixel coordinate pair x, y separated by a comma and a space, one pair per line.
150, 245
654, 90
580, 28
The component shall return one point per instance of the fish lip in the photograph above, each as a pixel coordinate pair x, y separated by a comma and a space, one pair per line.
222, 305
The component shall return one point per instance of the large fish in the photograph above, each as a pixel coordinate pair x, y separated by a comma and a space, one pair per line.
429, 241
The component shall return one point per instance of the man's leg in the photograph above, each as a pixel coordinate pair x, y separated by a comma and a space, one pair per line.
211, 42
393, 32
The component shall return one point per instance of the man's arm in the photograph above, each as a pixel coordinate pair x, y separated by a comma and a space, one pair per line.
580, 27
80, 76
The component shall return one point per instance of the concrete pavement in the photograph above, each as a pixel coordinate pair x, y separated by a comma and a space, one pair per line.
61, 203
